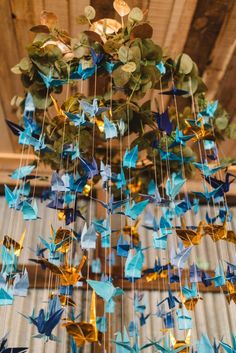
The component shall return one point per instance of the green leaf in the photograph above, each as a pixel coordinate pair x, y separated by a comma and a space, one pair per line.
23, 66
184, 64
150, 50
221, 123
136, 14
129, 67
121, 77
89, 12
123, 53
185, 85
40, 102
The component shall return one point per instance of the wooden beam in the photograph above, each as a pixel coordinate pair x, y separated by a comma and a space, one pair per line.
38, 278
179, 25
221, 54
206, 25
10, 83
170, 30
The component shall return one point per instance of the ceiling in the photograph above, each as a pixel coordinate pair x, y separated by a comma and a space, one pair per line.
204, 29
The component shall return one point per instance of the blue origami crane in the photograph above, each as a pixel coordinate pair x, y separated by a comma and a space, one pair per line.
46, 321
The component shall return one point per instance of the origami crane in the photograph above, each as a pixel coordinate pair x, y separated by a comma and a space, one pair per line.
190, 296
83, 331
188, 235
46, 321
5, 349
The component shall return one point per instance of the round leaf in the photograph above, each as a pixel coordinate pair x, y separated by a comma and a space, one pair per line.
142, 31
89, 12
123, 53
121, 77
129, 67
221, 122
136, 14
121, 7
40, 29
185, 64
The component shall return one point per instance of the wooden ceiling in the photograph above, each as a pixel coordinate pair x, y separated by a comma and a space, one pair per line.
204, 29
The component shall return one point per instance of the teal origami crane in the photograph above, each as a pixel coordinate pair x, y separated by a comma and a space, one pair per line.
206, 170
204, 345
88, 237
134, 264
227, 347
135, 209
105, 290
174, 185
110, 129
184, 319
130, 158
22, 172
30, 211
219, 278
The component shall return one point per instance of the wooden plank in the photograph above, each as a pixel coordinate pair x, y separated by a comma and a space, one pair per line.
159, 15
170, 30
221, 54
24, 17
226, 92
60, 9
206, 25
179, 26
6, 142
10, 83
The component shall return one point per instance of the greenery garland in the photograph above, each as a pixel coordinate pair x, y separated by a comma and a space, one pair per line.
132, 64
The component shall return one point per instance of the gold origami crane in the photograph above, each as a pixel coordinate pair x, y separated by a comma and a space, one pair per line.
63, 235
83, 331
10, 243
189, 236
199, 131
230, 236
180, 343
217, 231
132, 231
59, 111
69, 275
231, 293
190, 303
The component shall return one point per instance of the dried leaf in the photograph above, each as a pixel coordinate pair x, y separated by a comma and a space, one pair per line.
121, 7
93, 36
48, 19
89, 12
82, 20
142, 31
105, 26
40, 29
111, 46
